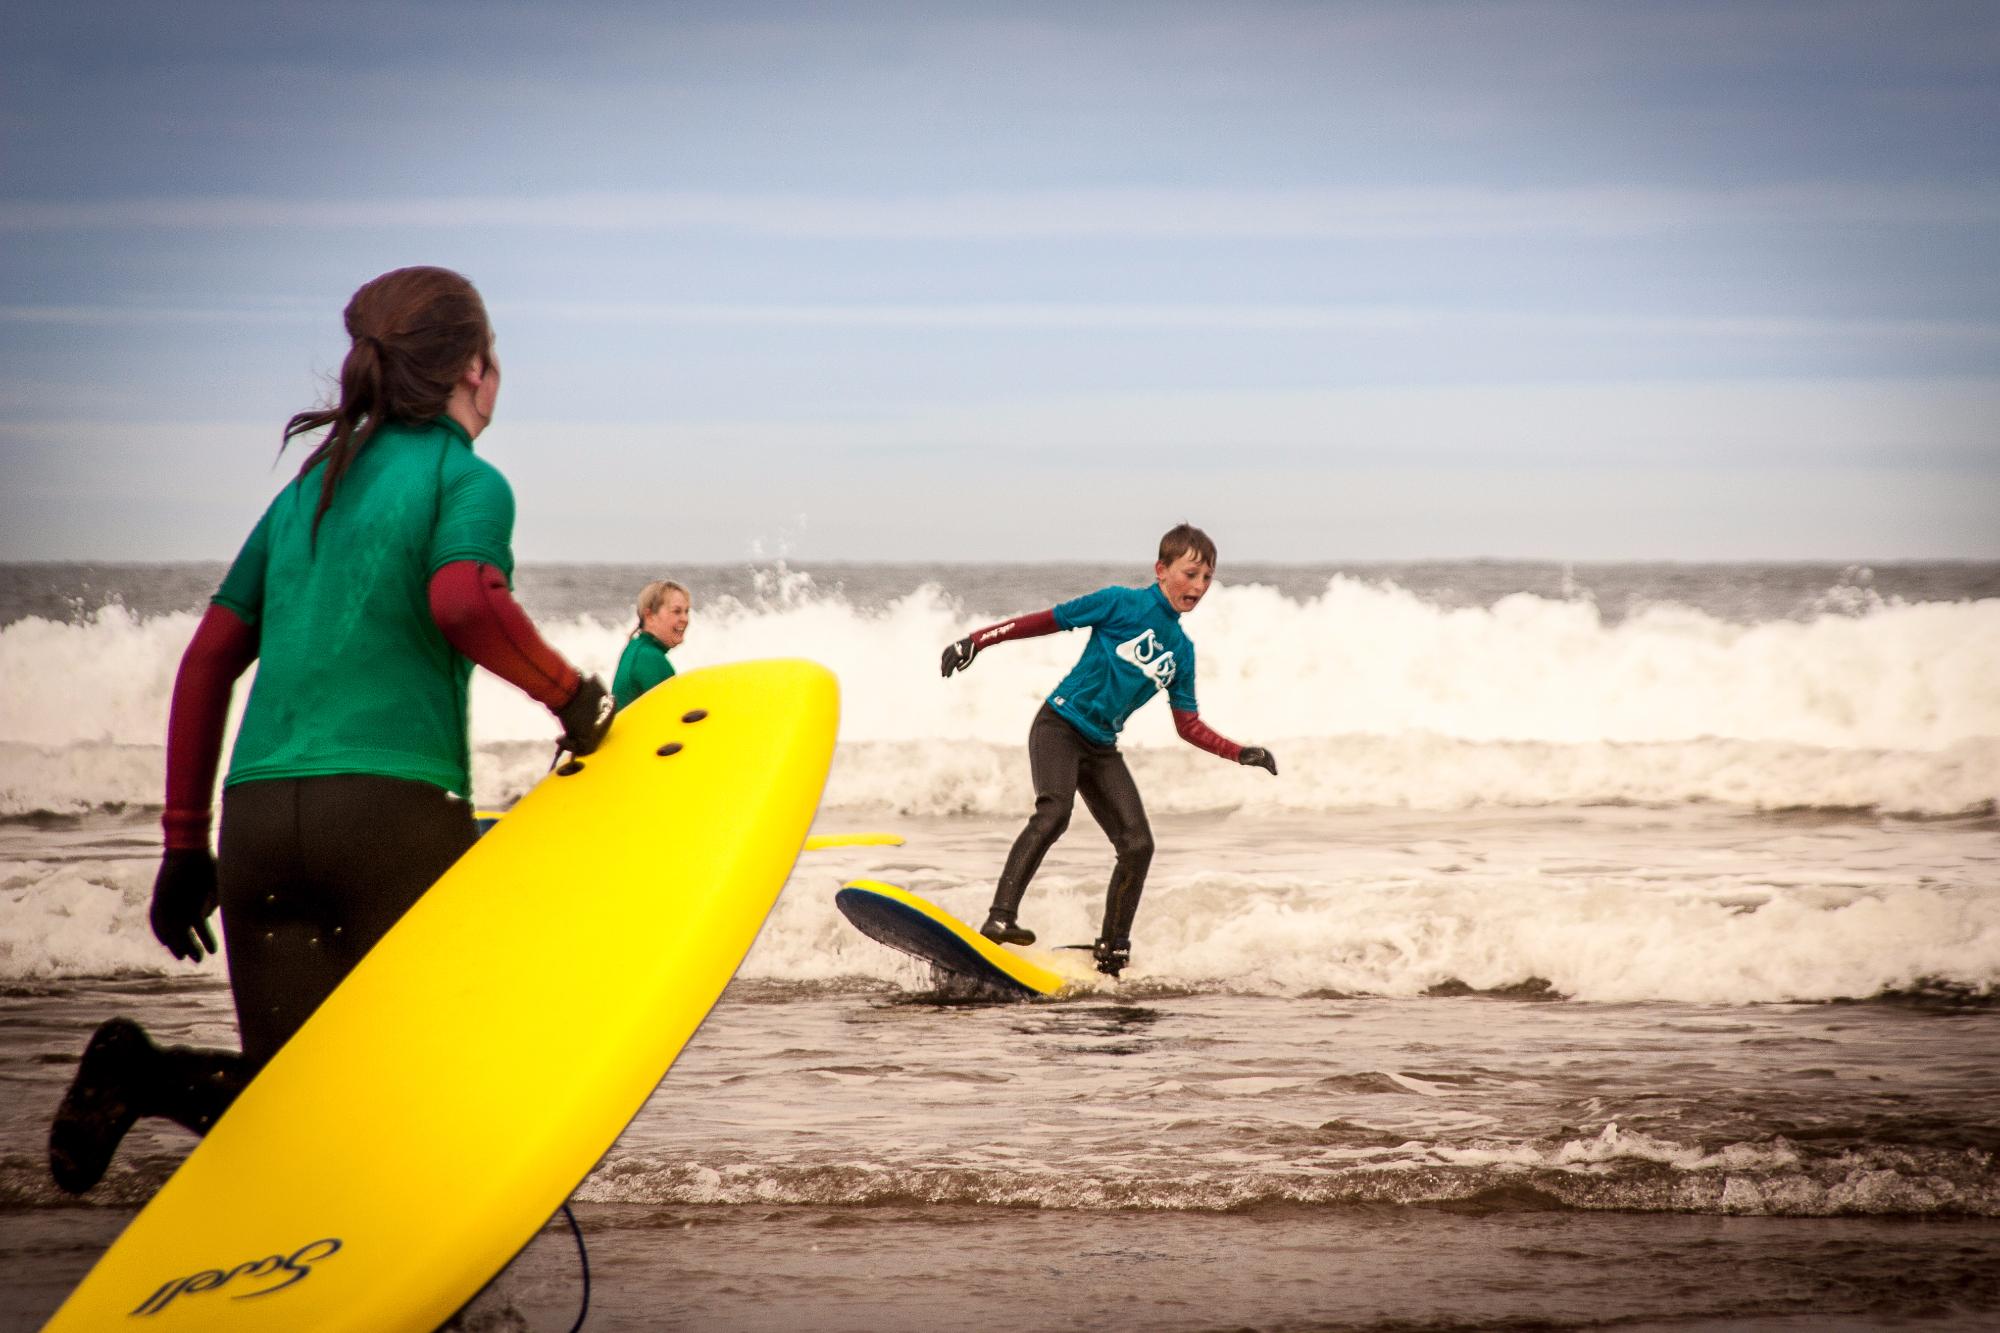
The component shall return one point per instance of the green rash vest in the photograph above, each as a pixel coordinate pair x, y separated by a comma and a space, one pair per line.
643, 666
353, 675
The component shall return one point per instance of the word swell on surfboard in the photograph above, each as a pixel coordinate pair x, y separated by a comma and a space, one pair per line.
815, 842
297, 1266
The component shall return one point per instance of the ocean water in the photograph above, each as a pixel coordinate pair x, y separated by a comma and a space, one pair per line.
1619, 945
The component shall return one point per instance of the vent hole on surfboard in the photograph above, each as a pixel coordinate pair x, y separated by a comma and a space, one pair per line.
671, 747
570, 769
694, 715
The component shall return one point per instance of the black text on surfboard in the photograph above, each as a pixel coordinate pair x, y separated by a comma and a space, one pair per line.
297, 1266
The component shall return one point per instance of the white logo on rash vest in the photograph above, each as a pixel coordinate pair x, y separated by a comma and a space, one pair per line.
1146, 653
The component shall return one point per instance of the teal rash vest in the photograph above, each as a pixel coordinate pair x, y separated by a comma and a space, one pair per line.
1136, 649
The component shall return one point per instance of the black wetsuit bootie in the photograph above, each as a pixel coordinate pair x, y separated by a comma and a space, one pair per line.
1001, 929
102, 1102
1111, 956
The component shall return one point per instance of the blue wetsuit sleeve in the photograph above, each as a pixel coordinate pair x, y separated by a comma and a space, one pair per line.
1089, 609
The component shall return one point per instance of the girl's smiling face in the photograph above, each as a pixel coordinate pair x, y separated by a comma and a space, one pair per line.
669, 624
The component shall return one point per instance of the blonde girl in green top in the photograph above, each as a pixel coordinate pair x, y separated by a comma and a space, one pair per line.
664, 608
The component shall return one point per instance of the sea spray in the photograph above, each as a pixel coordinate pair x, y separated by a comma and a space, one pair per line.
1372, 695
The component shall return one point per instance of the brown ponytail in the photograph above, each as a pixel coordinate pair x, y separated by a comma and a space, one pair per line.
414, 332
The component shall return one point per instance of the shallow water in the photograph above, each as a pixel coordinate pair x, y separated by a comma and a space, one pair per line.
897, 1269
845, 1146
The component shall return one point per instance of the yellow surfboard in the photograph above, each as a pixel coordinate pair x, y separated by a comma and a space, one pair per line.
815, 842
446, 1099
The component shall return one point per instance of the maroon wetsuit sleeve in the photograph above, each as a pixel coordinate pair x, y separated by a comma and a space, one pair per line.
479, 617
1199, 734
222, 649
1031, 626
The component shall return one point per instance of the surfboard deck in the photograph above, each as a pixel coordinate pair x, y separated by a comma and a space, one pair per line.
446, 1099
900, 919
815, 842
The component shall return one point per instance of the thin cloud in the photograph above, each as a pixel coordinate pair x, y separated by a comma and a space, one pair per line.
1168, 317
1361, 214
152, 314
1165, 318
1722, 468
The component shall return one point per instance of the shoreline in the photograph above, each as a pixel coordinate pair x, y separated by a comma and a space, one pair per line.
746, 1268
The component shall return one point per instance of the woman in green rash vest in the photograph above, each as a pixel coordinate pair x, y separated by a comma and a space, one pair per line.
664, 608
371, 586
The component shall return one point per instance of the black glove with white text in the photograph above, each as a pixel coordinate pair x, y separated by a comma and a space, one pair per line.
959, 656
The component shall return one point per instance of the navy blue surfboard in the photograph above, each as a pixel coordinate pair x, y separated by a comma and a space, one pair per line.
903, 921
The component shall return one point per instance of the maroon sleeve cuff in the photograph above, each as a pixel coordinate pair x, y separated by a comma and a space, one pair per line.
1031, 626
480, 618
1200, 735
222, 649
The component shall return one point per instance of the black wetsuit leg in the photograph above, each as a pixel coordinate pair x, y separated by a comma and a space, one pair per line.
313, 871
1113, 800
1065, 765
1055, 754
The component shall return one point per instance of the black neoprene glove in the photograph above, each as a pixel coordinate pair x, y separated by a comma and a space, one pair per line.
183, 899
959, 656
586, 717
1256, 756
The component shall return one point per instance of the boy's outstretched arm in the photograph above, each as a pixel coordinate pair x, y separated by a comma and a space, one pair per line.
1202, 736
1032, 626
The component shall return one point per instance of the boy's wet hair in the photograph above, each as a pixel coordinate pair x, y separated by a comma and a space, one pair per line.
1187, 539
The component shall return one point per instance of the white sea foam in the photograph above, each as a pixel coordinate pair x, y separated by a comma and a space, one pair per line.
1342, 922
79, 919
1611, 936
1371, 695
1613, 1169
1429, 772
1341, 773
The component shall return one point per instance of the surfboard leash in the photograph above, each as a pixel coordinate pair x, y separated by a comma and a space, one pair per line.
582, 1254
583, 1258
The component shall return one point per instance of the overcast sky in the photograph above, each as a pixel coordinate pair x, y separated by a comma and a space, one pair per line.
1019, 281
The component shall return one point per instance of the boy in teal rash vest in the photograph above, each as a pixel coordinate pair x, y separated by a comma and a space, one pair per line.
664, 608
1136, 649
